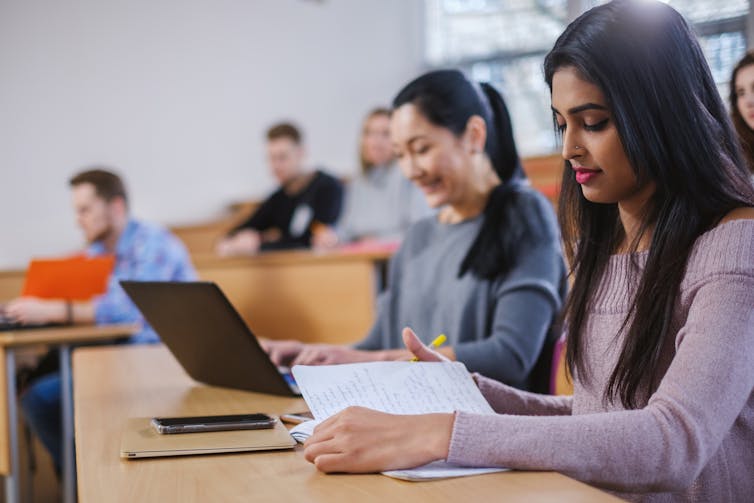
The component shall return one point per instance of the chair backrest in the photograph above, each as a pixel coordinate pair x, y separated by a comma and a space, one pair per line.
560, 382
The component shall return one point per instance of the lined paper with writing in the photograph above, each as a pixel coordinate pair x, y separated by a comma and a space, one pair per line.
394, 387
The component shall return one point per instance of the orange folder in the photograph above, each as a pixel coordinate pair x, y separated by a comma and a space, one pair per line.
74, 278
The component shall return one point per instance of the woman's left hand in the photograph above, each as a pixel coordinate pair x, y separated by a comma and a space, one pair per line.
361, 440
330, 354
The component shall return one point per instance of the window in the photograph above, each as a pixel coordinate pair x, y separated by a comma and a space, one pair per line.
504, 42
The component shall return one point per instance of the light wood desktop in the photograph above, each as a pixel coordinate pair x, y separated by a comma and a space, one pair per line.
61, 337
112, 384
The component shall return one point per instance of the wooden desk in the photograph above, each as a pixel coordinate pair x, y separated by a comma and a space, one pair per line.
115, 383
62, 337
325, 297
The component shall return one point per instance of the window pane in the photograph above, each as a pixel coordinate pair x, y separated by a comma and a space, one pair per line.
698, 11
523, 87
504, 42
463, 29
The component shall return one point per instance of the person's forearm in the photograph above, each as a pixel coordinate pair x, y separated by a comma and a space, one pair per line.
63, 311
83, 312
440, 430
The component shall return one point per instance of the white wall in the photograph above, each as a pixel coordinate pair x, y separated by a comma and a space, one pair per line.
177, 95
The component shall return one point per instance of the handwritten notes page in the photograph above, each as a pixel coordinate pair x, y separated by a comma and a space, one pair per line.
396, 388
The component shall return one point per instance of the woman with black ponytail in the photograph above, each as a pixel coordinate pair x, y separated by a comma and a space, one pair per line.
487, 270
657, 212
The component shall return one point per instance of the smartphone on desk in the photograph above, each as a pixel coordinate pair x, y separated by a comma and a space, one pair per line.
194, 424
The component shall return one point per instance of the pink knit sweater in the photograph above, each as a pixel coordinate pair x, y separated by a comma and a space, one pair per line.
693, 440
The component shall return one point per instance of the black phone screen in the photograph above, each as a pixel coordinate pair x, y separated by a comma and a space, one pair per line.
213, 423
230, 418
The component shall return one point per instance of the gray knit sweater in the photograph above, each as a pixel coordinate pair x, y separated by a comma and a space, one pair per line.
497, 327
693, 440
380, 204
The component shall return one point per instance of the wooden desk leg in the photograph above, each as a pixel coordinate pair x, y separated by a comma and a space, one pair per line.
69, 467
11, 479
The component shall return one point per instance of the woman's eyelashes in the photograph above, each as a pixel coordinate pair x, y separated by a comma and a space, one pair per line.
598, 126
421, 149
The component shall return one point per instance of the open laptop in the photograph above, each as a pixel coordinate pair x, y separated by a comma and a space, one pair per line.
207, 336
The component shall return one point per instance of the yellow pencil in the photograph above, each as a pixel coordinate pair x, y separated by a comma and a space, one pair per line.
439, 341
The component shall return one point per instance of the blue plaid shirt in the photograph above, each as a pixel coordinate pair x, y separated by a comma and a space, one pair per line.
145, 252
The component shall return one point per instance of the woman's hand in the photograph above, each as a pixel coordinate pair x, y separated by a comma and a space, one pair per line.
330, 354
419, 349
245, 242
361, 440
324, 237
34, 310
282, 352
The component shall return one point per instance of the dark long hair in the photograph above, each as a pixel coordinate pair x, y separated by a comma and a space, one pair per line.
745, 133
446, 98
675, 132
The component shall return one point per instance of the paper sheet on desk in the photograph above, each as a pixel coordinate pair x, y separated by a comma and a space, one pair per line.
302, 431
431, 471
394, 387
439, 470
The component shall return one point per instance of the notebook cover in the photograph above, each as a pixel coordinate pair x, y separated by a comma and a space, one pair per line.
141, 440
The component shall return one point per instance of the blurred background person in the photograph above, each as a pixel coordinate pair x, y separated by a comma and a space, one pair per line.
143, 251
742, 105
306, 203
380, 203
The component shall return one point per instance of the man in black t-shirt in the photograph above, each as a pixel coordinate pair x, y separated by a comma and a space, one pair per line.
305, 203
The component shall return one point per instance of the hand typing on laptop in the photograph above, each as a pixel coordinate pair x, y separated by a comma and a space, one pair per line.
35, 311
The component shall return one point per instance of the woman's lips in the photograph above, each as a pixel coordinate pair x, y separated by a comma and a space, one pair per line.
584, 175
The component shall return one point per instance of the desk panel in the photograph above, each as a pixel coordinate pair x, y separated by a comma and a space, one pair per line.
11, 284
327, 298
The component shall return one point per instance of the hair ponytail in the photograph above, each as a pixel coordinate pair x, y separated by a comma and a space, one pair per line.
501, 147
492, 253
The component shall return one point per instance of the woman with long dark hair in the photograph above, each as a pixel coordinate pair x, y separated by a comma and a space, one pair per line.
742, 105
487, 270
658, 219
